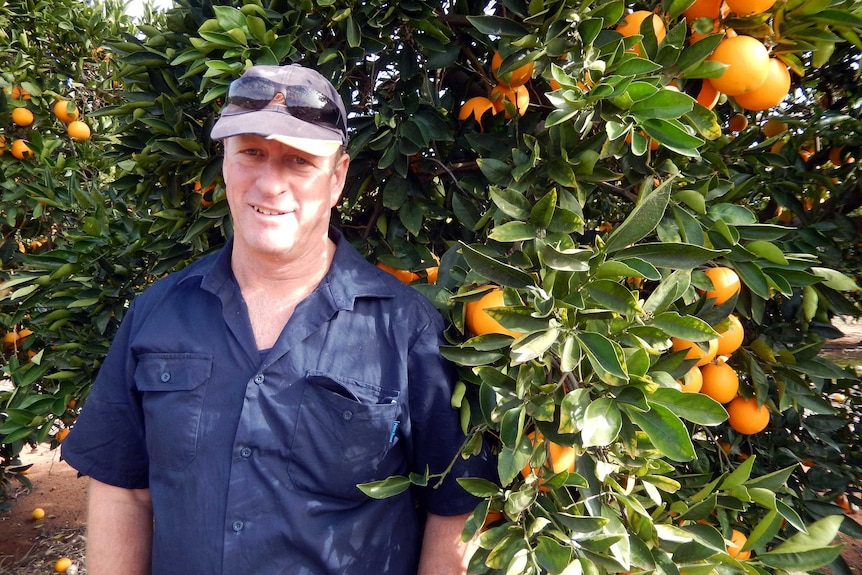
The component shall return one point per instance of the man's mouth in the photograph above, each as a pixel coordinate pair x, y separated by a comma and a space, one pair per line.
268, 212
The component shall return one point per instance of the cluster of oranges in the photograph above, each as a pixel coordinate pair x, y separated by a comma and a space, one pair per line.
23, 117
711, 375
408, 277
510, 93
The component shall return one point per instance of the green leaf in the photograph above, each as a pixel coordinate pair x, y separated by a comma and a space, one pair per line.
675, 256
835, 279
602, 423
666, 104
739, 476
768, 251
684, 327
385, 488
513, 232
551, 555
643, 219
665, 430
604, 354
511, 202
672, 135
695, 407
534, 345
478, 486
495, 271
572, 260
497, 26
543, 211
614, 297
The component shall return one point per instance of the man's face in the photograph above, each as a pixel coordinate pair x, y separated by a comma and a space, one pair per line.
280, 197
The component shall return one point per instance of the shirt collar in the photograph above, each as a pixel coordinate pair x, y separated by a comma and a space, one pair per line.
349, 277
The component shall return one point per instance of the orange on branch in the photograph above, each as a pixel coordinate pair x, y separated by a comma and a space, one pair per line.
737, 123
22, 116
477, 319
720, 381
558, 458
737, 541
746, 417
769, 94
21, 150
725, 284
731, 338
631, 25
518, 96
707, 96
19, 93
703, 9
748, 65
66, 111
773, 127
692, 381
517, 77
78, 130
749, 7
475, 107
404, 276
696, 350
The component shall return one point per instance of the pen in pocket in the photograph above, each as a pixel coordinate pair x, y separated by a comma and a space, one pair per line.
392, 431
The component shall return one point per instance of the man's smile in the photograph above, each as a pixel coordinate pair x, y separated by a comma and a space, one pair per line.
268, 211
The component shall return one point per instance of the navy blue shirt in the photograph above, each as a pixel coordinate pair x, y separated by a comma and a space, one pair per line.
252, 458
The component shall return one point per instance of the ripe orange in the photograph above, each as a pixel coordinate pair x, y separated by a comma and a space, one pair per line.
749, 7
738, 539
703, 9
475, 107
692, 381
2, 144
725, 284
518, 96
477, 319
748, 65
78, 130
405, 276
38, 513
708, 95
731, 338
769, 94
19, 93
737, 122
746, 417
843, 502
720, 381
21, 150
558, 457
65, 111
695, 350
22, 116
631, 25
10, 339
61, 434
773, 127
62, 564
517, 77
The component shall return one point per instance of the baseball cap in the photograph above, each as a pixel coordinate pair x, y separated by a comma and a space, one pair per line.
291, 104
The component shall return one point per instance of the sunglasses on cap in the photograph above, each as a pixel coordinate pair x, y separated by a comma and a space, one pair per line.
301, 102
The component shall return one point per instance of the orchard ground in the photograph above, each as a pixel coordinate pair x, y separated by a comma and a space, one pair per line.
30, 547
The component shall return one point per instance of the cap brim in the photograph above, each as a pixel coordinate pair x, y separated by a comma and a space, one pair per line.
273, 125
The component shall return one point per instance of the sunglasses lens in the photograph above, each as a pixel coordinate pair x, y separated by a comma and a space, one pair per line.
301, 102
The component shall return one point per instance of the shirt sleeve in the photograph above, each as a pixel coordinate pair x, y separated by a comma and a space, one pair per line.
107, 440
437, 436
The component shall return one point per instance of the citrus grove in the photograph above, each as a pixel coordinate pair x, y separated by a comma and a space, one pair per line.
636, 292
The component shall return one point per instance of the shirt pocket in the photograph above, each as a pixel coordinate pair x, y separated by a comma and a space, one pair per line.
344, 433
172, 390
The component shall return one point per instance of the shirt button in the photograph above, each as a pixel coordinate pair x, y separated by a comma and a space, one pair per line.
258, 379
237, 526
245, 452
347, 415
166, 377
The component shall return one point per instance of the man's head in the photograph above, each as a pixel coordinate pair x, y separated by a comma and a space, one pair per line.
291, 104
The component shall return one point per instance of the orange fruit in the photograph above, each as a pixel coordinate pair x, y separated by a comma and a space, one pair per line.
731, 338
19, 93
737, 540
61, 434
21, 150
78, 130
843, 502
748, 65
737, 123
725, 284
477, 319
703, 9
10, 339
62, 564
475, 107
695, 350
692, 381
707, 96
631, 25
773, 127
769, 94
746, 417
559, 458
517, 77
720, 381
38, 513
405, 276
749, 7
518, 96
65, 111
837, 157
22, 116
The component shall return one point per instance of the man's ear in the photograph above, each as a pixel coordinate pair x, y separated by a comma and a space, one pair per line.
339, 176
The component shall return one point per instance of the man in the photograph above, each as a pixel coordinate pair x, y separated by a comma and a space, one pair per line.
245, 397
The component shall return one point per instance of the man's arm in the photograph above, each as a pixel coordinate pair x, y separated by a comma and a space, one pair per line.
443, 552
119, 530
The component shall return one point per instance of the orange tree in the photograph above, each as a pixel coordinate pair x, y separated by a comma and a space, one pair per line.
597, 208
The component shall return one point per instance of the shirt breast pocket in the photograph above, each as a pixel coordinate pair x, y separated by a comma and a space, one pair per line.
172, 387
344, 433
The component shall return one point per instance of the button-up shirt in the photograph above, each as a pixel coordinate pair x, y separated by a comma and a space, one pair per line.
253, 457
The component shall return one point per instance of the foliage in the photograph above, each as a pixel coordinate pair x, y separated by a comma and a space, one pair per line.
599, 238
